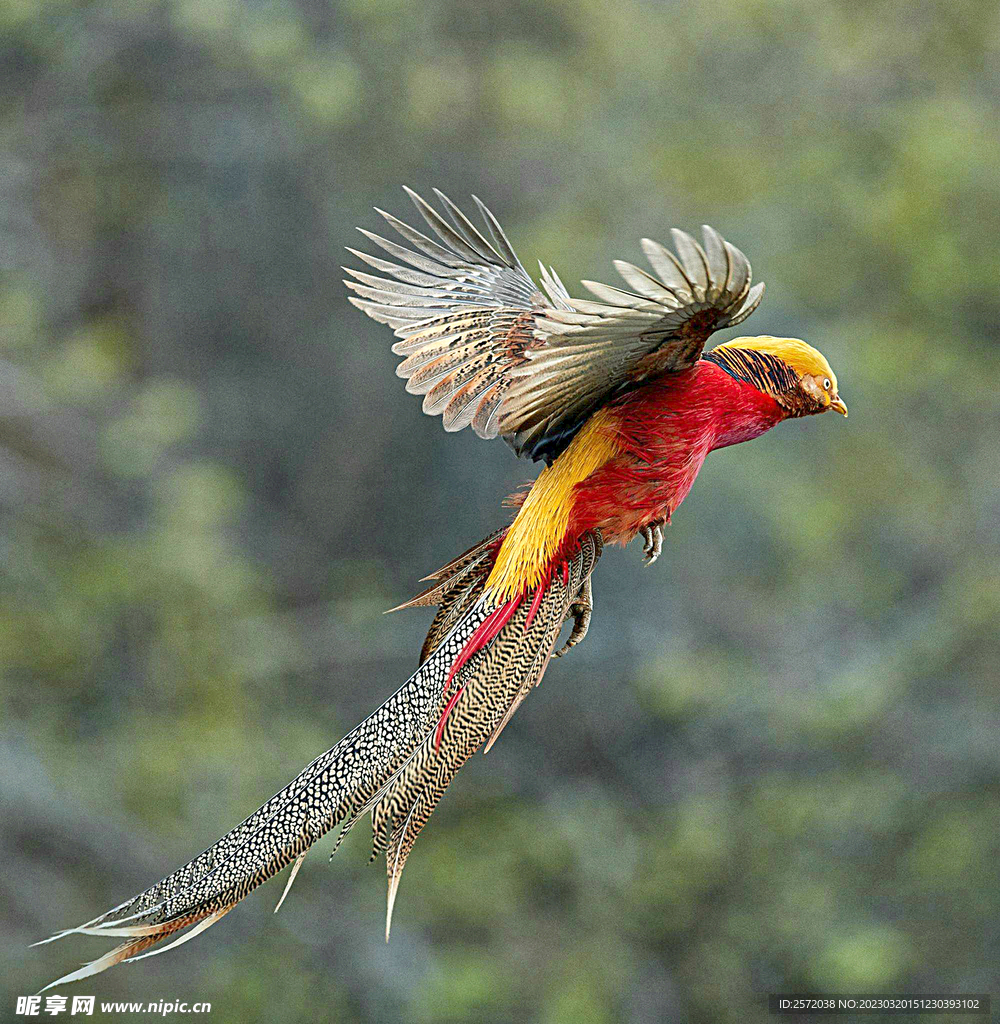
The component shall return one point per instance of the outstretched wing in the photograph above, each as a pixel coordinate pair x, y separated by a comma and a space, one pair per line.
488, 348
464, 311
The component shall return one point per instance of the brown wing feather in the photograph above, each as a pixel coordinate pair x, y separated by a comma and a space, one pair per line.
490, 349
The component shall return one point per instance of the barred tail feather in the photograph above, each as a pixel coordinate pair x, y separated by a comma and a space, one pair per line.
389, 764
491, 685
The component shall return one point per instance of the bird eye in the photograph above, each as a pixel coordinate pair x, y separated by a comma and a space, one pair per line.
826, 383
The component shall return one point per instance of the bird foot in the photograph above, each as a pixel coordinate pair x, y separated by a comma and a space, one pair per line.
652, 534
580, 611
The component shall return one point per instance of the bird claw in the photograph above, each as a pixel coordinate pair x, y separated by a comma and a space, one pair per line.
652, 534
580, 611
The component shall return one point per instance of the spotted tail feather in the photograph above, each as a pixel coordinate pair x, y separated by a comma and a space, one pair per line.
396, 763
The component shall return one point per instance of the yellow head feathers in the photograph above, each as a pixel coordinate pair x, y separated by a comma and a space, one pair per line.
800, 378
802, 358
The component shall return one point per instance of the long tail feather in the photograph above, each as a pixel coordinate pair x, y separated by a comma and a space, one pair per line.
397, 763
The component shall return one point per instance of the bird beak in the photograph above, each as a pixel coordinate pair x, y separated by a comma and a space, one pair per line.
837, 405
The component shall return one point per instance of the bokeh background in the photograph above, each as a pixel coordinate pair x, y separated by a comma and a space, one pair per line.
773, 765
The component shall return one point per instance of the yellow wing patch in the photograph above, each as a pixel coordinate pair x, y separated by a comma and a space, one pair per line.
540, 526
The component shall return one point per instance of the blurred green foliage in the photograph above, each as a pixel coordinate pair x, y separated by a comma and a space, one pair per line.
774, 764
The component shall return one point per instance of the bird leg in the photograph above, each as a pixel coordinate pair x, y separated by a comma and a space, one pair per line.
652, 534
580, 611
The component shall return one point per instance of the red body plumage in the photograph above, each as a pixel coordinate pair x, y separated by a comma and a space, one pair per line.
665, 430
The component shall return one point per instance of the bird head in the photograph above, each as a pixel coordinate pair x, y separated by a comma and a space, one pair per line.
796, 375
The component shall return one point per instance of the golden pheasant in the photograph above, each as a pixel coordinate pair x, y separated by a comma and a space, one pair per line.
617, 398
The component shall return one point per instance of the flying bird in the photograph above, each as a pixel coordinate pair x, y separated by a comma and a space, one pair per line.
617, 398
